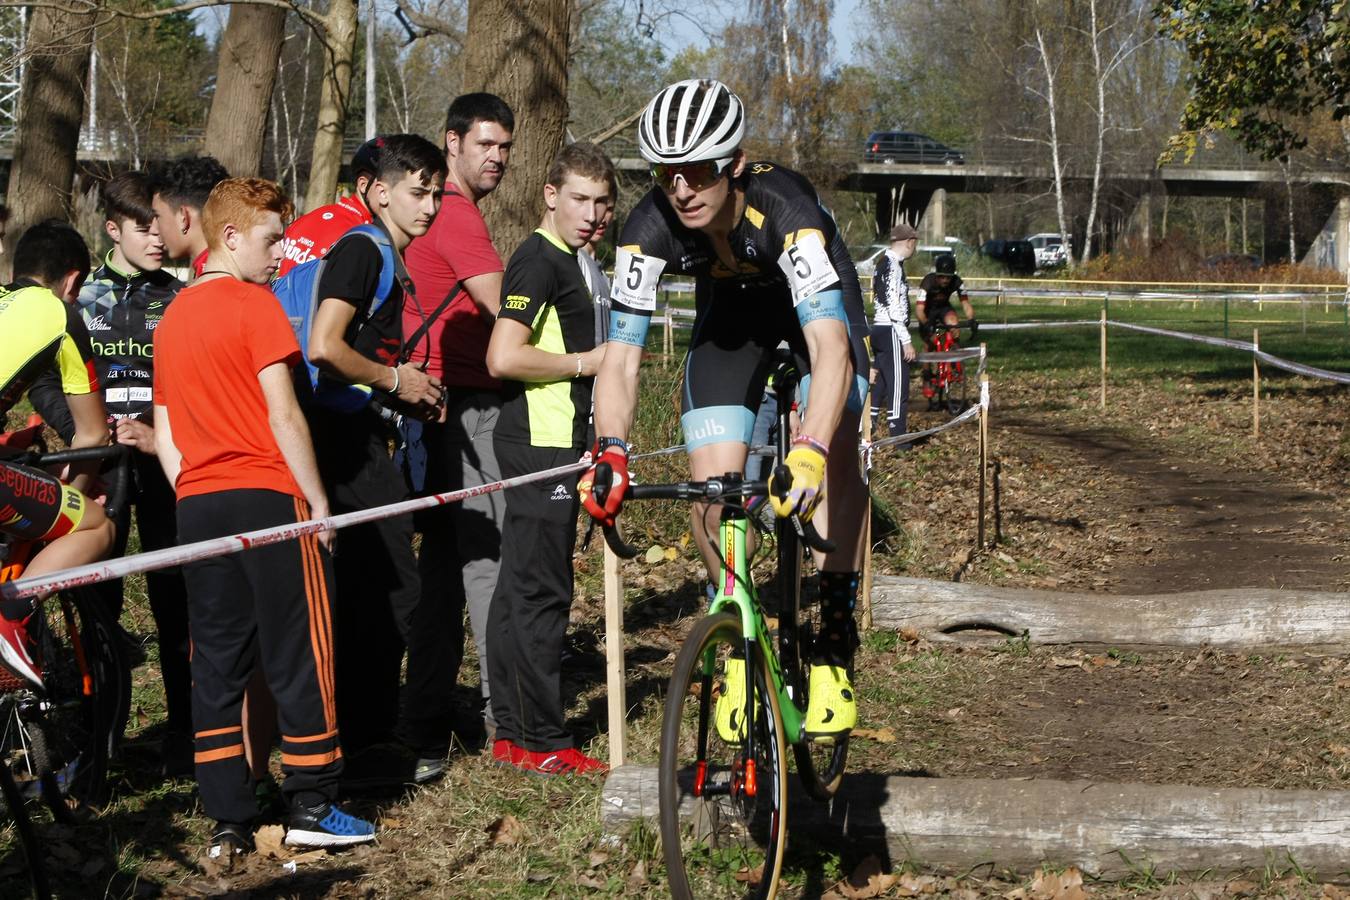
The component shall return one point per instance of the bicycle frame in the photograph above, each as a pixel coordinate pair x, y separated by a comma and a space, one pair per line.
737, 590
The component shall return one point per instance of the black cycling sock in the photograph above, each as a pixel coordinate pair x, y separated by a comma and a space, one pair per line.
838, 633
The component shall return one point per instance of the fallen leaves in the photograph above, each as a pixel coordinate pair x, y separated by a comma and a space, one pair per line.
1051, 885
505, 832
883, 735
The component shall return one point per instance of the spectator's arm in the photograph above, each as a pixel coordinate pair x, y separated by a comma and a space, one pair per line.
510, 355
170, 460
292, 435
486, 292
50, 402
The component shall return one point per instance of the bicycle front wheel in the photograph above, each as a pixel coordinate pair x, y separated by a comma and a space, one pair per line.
820, 766
723, 825
57, 742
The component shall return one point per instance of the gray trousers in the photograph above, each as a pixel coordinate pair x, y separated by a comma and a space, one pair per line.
458, 562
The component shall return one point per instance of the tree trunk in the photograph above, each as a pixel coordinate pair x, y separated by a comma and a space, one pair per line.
249, 53
1051, 72
51, 107
1248, 617
1109, 831
335, 101
517, 49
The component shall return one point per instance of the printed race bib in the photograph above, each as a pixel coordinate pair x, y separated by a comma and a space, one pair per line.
807, 267
636, 278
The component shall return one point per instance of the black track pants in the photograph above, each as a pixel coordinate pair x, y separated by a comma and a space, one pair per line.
527, 620
266, 606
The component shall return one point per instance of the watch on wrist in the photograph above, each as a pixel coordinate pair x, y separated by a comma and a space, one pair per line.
606, 442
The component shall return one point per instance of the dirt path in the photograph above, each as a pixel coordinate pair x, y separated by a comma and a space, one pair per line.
1208, 528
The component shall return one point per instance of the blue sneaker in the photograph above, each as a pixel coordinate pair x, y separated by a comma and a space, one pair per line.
326, 826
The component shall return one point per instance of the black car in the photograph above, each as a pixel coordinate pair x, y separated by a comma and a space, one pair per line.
1018, 257
908, 147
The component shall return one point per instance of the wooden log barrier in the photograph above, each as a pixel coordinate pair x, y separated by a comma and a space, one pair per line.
1110, 831
1248, 617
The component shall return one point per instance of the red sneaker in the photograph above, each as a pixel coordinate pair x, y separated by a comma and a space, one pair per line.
568, 761
17, 650
506, 753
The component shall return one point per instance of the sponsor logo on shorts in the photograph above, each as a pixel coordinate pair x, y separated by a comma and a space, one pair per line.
560, 492
710, 428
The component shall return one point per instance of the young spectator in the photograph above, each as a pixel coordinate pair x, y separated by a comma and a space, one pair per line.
377, 585
122, 302
461, 542
892, 348
310, 236
543, 347
180, 189
597, 282
43, 332
233, 441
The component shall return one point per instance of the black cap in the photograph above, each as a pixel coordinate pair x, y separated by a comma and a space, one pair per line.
366, 159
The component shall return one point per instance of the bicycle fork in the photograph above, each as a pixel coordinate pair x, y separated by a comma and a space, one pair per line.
744, 777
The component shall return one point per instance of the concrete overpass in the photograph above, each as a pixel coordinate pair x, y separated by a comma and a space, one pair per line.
916, 192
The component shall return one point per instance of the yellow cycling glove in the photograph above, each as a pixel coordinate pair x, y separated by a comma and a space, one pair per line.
806, 463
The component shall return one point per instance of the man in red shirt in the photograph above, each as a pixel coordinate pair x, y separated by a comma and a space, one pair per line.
232, 440
461, 543
310, 236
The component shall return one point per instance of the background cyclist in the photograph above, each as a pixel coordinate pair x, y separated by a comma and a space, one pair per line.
769, 266
934, 305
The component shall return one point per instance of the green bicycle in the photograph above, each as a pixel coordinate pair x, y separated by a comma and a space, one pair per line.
735, 702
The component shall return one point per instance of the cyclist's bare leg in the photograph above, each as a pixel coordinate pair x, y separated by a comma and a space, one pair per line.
709, 461
951, 318
840, 515
89, 542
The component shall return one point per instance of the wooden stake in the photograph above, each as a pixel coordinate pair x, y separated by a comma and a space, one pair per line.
984, 458
614, 668
1103, 342
867, 526
1256, 388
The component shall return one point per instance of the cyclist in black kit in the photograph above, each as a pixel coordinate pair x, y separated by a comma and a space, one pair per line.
770, 266
934, 307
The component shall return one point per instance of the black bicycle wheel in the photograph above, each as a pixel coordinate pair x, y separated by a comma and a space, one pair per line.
28, 836
820, 766
716, 836
57, 742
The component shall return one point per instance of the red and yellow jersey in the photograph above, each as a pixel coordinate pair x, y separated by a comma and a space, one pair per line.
40, 334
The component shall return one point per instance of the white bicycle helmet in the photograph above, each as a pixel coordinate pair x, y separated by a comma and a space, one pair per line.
691, 121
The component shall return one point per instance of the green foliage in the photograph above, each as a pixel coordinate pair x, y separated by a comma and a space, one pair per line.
1255, 67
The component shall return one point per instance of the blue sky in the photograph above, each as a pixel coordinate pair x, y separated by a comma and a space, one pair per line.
843, 30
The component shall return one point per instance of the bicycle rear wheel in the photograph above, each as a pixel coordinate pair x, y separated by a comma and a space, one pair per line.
820, 766
727, 837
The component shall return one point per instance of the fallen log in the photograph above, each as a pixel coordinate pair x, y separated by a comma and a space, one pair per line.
1248, 617
1111, 831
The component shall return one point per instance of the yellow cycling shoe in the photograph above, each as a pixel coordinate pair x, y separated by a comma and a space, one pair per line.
729, 713
832, 710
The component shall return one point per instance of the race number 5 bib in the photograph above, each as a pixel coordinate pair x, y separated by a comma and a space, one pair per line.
636, 278
807, 267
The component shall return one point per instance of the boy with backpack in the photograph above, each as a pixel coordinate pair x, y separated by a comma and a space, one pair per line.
349, 305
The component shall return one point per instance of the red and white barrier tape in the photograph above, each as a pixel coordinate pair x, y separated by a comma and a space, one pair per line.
221, 546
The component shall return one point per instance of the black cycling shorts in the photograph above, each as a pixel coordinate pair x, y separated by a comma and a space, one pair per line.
36, 506
731, 355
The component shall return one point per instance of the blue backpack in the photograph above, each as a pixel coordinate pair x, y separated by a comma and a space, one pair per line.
298, 293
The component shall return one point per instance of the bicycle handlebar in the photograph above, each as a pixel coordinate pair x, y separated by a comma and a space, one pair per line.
84, 454
709, 491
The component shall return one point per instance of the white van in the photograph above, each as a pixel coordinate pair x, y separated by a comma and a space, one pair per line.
1051, 249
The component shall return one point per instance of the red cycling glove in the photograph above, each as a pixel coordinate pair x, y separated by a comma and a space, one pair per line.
618, 486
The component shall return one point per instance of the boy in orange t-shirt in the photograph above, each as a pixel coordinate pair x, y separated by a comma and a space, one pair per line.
232, 440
